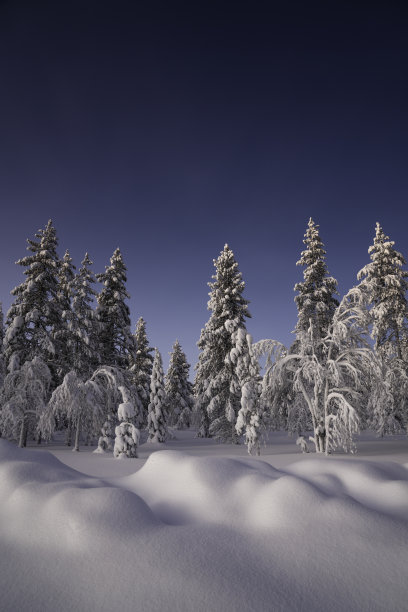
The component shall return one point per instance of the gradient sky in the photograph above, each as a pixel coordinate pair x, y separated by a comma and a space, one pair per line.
169, 129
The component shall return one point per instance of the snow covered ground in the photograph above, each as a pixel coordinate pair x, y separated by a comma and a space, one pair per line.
201, 526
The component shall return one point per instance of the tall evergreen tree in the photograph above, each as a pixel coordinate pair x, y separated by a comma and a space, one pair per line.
218, 400
141, 362
385, 282
35, 315
117, 342
315, 300
63, 335
178, 389
84, 325
156, 418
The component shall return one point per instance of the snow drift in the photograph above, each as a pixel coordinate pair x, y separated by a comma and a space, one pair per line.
203, 533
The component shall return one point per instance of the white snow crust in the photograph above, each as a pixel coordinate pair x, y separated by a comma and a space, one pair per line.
199, 533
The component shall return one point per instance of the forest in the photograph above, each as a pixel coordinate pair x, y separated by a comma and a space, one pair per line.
69, 360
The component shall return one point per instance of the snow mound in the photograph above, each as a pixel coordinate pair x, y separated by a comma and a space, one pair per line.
203, 533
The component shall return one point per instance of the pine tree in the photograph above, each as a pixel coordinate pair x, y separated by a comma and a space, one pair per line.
179, 389
35, 316
141, 365
84, 325
315, 302
316, 306
385, 282
117, 342
217, 398
156, 417
63, 335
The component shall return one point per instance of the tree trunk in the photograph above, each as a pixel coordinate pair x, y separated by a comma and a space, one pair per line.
22, 441
68, 435
76, 447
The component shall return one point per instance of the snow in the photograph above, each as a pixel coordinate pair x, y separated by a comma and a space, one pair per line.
201, 526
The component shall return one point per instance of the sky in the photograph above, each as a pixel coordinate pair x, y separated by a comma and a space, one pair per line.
171, 128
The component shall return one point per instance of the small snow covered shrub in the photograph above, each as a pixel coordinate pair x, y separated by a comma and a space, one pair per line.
127, 435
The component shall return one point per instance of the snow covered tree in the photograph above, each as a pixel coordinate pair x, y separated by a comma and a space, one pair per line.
71, 401
2, 360
141, 362
315, 300
117, 342
104, 387
247, 383
127, 435
84, 325
333, 376
316, 305
35, 316
23, 399
385, 282
217, 397
178, 389
63, 335
157, 412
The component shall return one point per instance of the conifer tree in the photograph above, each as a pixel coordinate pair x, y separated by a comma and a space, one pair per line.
84, 325
116, 340
218, 399
141, 365
315, 300
179, 389
63, 335
385, 282
156, 417
35, 315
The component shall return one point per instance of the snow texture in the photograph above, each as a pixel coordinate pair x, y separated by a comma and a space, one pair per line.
203, 533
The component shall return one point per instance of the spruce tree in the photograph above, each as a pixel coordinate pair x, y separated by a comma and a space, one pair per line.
217, 398
179, 389
315, 300
35, 316
63, 335
157, 411
316, 306
141, 362
385, 282
86, 349
116, 340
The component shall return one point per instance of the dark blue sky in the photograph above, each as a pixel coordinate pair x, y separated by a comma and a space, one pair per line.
169, 129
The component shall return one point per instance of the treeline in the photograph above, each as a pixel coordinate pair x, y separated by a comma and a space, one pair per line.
69, 358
